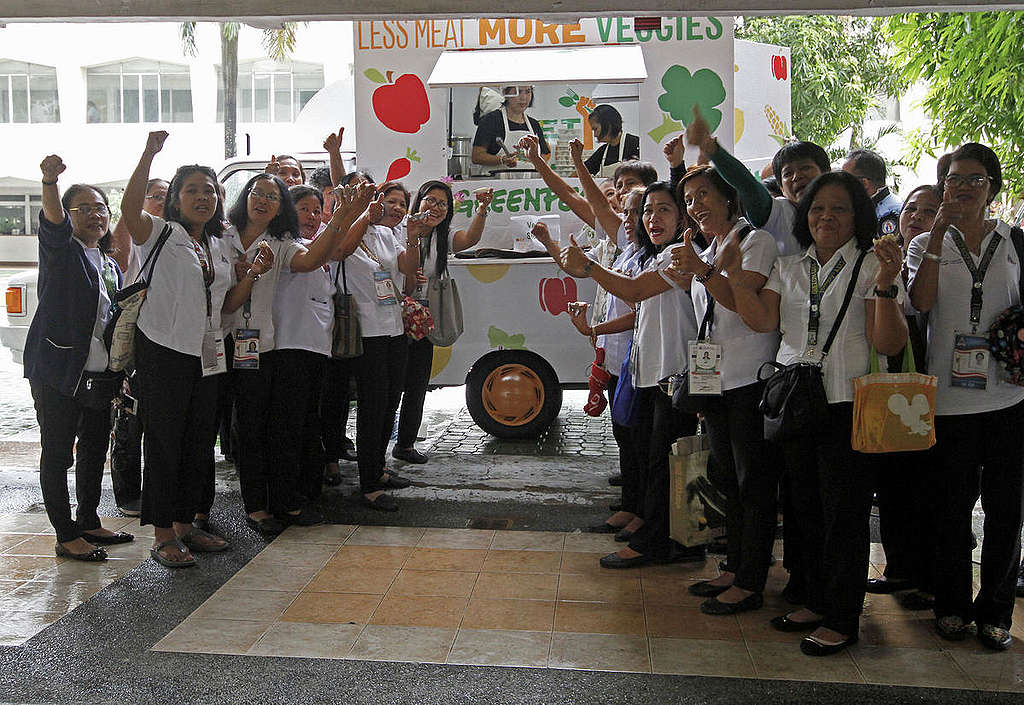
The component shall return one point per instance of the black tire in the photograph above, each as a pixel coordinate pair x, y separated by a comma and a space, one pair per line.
535, 415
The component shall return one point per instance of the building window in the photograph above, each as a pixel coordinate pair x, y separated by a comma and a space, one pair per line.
269, 91
28, 93
138, 91
19, 214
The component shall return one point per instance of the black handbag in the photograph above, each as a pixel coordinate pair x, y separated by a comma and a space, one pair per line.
346, 338
794, 403
96, 390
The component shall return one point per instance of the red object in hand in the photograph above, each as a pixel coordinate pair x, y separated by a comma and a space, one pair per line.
779, 68
402, 106
598, 382
556, 294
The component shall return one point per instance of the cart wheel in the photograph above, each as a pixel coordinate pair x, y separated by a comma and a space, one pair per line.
513, 394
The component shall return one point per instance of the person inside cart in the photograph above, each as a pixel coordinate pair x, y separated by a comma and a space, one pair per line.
616, 145
506, 125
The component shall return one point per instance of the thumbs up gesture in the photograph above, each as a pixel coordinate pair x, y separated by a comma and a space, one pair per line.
574, 261
684, 257
376, 211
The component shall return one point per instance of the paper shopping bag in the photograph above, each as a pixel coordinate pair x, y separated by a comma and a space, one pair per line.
692, 499
894, 412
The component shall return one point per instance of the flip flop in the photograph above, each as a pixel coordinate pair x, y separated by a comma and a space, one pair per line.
190, 536
155, 553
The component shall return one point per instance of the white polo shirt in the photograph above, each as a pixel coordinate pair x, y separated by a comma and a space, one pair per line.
375, 319
849, 357
743, 350
261, 300
617, 344
99, 357
304, 309
174, 313
952, 313
780, 224
664, 325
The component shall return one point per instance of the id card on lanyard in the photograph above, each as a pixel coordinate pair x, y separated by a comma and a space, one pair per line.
704, 374
211, 357
384, 285
971, 351
817, 293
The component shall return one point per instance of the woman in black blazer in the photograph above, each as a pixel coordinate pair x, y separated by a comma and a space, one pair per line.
64, 355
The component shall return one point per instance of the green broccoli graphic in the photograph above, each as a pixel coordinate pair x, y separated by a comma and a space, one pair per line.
703, 89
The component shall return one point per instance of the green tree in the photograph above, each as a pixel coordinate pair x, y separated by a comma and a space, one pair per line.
841, 67
278, 43
973, 64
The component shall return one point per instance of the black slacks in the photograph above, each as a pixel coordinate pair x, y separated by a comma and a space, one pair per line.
294, 433
380, 374
178, 408
978, 454
126, 453
907, 523
749, 475
414, 390
631, 458
831, 493
334, 405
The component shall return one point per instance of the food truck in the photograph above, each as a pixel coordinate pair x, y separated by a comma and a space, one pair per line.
417, 86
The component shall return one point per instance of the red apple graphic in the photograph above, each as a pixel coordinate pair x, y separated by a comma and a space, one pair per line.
400, 105
779, 68
556, 295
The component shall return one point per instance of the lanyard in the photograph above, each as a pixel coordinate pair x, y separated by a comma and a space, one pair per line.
208, 274
816, 294
977, 273
369, 252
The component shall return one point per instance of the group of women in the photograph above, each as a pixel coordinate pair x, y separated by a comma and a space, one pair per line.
239, 303
711, 265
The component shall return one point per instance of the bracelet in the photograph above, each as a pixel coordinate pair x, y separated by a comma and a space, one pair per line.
710, 272
410, 245
49, 183
933, 257
254, 275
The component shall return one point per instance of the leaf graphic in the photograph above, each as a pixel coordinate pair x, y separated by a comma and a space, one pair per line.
566, 101
780, 139
374, 75
703, 89
500, 339
667, 127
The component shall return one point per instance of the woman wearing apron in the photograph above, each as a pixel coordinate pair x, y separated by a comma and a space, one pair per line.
616, 146
506, 126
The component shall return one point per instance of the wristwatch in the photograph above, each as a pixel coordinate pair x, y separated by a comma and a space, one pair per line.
888, 293
586, 269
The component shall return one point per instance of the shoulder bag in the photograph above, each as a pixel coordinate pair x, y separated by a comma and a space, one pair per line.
1006, 334
445, 306
794, 403
347, 338
625, 406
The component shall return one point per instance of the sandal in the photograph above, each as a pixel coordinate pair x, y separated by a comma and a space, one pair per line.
93, 556
206, 542
167, 562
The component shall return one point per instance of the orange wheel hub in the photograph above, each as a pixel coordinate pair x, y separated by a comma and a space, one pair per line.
513, 394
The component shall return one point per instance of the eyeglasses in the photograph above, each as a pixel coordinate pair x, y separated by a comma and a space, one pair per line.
976, 181
158, 197
272, 197
435, 203
89, 210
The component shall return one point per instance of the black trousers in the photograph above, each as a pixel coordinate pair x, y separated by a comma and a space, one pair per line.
126, 453
665, 427
631, 458
61, 421
334, 405
831, 488
178, 408
749, 476
265, 485
414, 391
294, 433
978, 454
907, 523
380, 374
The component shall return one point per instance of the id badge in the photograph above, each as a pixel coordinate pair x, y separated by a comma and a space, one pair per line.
247, 349
970, 361
704, 375
385, 288
213, 358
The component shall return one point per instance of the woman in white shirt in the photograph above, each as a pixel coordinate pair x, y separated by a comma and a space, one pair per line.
178, 346
664, 323
745, 467
264, 218
832, 484
964, 273
372, 259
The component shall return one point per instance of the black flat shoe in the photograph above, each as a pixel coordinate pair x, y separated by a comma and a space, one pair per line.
793, 593
602, 528
615, 480
784, 624
705, 589
98, 540
813, 647
94, 556
383, 503
917, 601
269, 526
348, 451
881, 586
624, 535
684, 554
395, 481
613, 560
747, 604
332, 479
307, 516
409, 455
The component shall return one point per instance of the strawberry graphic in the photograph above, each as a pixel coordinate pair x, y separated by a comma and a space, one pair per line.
401, 167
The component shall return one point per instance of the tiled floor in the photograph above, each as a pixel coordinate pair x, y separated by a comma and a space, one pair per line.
37, 588
540, 599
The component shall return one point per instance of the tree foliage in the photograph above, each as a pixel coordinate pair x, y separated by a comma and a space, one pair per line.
841, 67
973, 64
